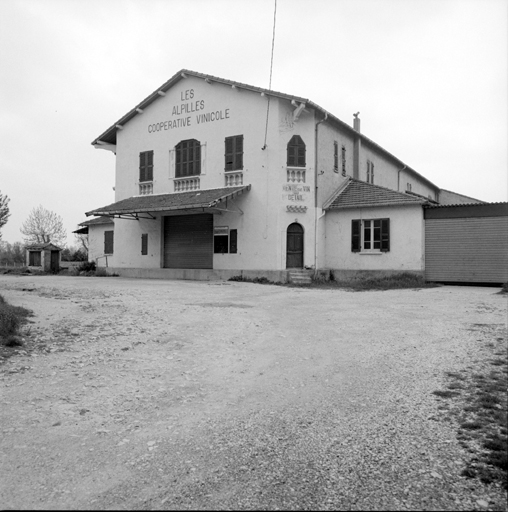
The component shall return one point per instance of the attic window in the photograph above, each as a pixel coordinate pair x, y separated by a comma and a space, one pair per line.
296, 152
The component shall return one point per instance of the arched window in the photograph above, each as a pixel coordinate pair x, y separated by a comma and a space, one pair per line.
296, 152
188, 158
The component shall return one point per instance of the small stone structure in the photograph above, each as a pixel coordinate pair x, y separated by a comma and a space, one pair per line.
44, 257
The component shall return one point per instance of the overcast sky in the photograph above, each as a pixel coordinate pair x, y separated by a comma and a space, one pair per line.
429, 78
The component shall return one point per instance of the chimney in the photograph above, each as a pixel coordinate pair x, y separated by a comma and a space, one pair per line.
356, 122
357, 148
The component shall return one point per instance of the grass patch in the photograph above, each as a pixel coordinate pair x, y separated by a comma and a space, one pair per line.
11, 320
402, 280
444, 394
482, 420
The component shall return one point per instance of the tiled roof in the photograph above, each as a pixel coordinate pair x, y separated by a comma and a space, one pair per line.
97, 220
109, 136
483, 203
358, 194
40, 247
169, 202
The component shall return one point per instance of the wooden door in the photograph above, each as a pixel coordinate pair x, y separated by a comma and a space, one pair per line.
294, 246
55, 261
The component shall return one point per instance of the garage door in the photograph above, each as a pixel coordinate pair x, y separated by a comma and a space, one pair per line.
188, 241
466, 250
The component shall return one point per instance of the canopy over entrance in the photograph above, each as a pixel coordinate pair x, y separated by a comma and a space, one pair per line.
197, 201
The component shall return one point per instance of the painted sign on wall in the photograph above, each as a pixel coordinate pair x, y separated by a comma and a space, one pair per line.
295, 192
189, 105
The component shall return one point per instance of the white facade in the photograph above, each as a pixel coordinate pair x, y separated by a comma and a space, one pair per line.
192, 106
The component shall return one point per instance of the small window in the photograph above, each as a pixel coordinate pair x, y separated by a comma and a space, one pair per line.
220, 239
370, 172
225, 240
108, 242
234, 153
372, 235
144, 244
343, 160
34, 258
409, 187
335, 156
188, 158
146, 166
296, 152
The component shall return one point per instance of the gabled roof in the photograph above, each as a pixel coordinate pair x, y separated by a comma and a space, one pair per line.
202, 200
97, 220
40, 247
109, 136
92, 222
359, 194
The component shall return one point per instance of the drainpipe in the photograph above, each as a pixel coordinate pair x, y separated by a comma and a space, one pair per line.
398, 177
316, 190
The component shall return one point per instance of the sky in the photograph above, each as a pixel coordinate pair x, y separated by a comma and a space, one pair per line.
429, 78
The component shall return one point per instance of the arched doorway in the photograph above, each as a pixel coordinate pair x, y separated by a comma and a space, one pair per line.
294, 246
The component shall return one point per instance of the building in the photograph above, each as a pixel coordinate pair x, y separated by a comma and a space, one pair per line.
215, 178
45, 257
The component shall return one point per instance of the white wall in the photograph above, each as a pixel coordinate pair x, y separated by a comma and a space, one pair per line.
96, 244
406, 239
262, 226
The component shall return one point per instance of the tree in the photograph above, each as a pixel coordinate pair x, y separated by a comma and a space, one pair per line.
43, 226
4, 211
12, 254
82, 241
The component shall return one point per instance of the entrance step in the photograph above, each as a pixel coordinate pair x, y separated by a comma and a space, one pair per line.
300, 276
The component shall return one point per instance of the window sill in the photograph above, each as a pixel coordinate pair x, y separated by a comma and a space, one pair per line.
370, 253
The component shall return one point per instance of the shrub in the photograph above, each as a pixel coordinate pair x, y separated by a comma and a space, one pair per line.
11, 319
86, 266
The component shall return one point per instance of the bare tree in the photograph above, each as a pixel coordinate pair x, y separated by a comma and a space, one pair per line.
82, 241
43, 226
4, 211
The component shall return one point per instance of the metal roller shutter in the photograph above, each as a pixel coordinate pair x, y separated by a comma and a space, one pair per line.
188, 241
469, 250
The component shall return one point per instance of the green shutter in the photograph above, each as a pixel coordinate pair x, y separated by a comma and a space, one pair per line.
385, 235
233, 241
144, 244
108, 242
355, 235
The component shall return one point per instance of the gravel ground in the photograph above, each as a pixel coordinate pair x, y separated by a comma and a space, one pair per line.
138, 394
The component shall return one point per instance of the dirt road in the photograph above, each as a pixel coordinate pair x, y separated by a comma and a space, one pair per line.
154, 394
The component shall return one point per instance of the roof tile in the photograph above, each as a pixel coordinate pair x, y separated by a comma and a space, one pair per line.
357, 194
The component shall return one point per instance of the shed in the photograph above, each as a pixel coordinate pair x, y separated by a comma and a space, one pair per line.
466, 243
44, 256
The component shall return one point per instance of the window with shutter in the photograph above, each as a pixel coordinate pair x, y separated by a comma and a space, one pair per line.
188, 158
144, 244
234, 153
371, 235
296, 152
34, 258
343, 160
335, 156
108, 242
146, 166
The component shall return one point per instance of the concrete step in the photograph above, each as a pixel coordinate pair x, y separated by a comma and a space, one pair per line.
299, 277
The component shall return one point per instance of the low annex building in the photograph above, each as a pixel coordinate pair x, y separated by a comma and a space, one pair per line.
43, 256
216, 178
